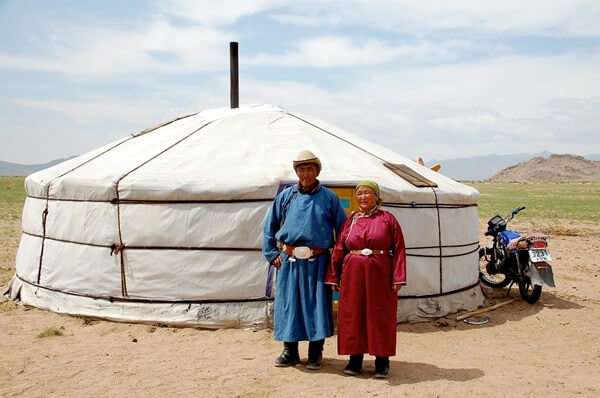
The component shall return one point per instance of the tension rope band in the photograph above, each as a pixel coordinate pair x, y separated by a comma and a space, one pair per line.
209, 301
444, 255
258, 200
116, 249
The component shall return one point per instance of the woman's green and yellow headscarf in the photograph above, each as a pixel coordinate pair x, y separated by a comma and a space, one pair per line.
374, 187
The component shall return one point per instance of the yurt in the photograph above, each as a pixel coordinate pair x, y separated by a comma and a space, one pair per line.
164, 226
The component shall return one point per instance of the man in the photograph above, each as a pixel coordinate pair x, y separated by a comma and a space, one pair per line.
297, 235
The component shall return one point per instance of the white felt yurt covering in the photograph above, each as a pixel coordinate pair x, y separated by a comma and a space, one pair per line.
165, 225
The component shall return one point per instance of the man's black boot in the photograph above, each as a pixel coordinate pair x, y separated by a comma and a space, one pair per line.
382, 367
315, 354
354, 365
289, 356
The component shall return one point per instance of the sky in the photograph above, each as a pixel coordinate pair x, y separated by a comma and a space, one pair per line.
439, 79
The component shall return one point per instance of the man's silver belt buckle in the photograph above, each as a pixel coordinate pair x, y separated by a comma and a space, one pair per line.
366, 252
302, 252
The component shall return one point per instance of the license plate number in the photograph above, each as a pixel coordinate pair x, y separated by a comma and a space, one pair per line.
539, 255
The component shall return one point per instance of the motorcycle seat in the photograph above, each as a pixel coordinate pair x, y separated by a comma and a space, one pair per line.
514, 243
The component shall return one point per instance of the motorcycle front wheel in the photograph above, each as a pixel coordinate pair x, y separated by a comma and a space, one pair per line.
492, 280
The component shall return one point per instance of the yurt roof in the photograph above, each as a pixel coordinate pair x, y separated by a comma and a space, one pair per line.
233, 154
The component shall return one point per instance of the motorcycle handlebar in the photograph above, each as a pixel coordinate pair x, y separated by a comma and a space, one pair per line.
513, 213
517, 210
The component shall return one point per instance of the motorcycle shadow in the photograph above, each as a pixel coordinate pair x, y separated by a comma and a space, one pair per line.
516, 311
549, 299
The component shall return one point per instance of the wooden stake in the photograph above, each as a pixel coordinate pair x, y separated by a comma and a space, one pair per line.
481, 311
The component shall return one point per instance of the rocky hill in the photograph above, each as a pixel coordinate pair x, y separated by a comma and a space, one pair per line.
555, 168
481, 167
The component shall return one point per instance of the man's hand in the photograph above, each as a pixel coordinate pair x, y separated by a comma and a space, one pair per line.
277, 262
396, 287
336, 288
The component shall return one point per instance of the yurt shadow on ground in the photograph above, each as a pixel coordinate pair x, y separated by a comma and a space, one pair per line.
165, 225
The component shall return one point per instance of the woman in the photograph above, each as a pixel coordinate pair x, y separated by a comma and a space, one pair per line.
368, 266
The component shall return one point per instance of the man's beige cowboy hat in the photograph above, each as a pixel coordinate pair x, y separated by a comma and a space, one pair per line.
307, 157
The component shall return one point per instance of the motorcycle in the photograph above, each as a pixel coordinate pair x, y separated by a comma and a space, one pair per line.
515, 258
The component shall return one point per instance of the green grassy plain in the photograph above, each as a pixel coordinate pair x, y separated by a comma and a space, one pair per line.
12, 198
554, 202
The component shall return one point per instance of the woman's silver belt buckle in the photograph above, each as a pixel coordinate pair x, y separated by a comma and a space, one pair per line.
366, 252
302, 252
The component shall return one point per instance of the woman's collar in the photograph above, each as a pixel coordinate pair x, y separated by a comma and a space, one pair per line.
369, 213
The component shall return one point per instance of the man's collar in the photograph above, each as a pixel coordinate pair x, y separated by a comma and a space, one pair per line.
314, 189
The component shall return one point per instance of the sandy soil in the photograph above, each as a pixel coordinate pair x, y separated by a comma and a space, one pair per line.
551, 348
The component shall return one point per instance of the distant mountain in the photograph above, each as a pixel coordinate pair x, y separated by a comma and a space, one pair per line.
481, 167
593, 156
16, 169
555, 168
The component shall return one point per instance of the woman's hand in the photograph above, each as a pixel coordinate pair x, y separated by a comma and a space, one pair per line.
396, 287
277, 262
336, 288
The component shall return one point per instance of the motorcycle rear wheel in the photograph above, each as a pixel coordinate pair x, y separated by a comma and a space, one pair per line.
530, 292
492, 280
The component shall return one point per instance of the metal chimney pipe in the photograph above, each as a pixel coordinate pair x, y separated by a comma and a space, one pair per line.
234, 94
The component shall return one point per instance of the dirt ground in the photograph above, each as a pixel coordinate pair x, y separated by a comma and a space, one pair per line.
551, 348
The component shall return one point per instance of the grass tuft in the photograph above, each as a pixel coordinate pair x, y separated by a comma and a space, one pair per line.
49, 332
8, 307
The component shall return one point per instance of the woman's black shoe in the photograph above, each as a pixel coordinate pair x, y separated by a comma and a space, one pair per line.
289, 356
354, 365
382, 367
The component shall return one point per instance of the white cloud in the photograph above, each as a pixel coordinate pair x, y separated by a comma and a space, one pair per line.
164, 45
538, 17
158, 46
102, 110
215, 13
345, 52
331, 51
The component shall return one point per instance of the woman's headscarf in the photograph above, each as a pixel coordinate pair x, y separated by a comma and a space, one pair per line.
374, 187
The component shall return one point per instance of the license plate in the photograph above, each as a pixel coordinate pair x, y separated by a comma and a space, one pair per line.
539, 255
